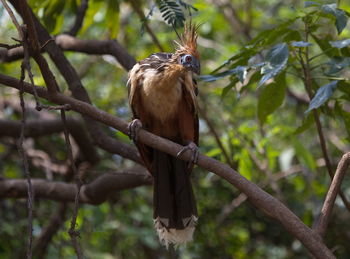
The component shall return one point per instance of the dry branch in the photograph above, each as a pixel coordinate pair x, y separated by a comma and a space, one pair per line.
69, 43
40, 127
95, 192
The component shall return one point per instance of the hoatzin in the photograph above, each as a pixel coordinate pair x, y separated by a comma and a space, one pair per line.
162, 96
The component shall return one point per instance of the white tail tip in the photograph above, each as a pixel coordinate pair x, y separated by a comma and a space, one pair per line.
175, 236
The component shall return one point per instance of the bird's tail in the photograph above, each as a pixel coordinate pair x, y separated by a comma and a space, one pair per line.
175, 212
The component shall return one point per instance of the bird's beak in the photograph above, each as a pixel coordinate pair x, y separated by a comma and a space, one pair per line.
196, 66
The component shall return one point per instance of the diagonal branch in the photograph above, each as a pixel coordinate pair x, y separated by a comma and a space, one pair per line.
79, 17
333, 191
259, 198
136, 5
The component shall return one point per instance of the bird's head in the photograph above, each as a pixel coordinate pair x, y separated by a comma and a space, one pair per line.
186, 52
191, 63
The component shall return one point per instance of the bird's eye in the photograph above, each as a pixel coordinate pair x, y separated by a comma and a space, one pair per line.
188, 59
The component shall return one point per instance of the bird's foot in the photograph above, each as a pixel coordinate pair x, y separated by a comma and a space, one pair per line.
195, 153
134, 128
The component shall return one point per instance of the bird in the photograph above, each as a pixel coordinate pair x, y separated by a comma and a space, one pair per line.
162, 93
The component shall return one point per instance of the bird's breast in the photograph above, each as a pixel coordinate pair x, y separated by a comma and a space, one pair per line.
160, 96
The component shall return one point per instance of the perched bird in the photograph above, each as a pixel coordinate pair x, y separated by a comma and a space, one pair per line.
162, 96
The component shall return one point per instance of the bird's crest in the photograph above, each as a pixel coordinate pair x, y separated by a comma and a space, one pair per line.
188, 40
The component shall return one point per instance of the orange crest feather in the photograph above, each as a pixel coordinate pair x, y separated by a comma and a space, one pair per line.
188, 40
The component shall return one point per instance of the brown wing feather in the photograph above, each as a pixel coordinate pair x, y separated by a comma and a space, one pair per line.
188, 117
135, 102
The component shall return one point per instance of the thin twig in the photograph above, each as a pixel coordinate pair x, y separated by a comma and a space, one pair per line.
26, 168
26, 66
7, 46
308, 86
333, 191
74, 234
203, 113
30, 199
136, 5
13, 18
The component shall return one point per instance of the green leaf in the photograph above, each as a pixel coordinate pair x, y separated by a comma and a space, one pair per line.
276, 60
240, 72
337, 64
171, 12
340, 16
292, 36
271, 97
344, 87
322, 95
301, 44
245, 164
324, 45
340, 43
111, 16
228, 87
306, 124
52, 11
310, 3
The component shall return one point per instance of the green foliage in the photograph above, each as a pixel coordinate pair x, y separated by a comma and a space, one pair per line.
322, 95
173, 11
271, 97
275, 61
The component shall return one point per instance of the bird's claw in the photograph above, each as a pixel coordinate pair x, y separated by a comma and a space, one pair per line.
134, 128
195, 153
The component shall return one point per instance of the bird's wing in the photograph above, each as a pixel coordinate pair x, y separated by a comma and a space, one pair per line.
156, 61
188, 115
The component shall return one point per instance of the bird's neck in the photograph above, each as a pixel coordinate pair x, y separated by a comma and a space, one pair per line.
170, 76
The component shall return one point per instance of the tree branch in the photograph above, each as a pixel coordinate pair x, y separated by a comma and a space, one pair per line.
259, 198
69, 43
37, 128
136, 5
96, 47
79, 17
95, 192
333, 191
